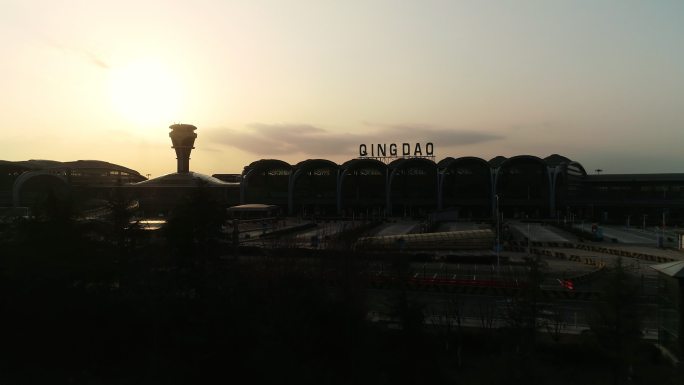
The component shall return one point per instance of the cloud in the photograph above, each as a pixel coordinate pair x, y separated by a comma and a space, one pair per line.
280, 139
87, 55
283, 139
210, 149
95, 60
441, 136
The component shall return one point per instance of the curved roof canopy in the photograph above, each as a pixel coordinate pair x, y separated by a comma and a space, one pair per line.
72, 165
412, 162
269, 164
497, 161
363, 163
445, 162
451, 162
183, 179
522, 158
556, 160
314, 163
579, 166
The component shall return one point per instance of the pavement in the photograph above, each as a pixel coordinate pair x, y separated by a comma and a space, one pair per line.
397, 228
537, 232
623, 235
323, 230
461, 226
630, 240
633, 235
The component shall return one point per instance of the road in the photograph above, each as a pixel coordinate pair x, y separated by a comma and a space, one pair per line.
623, 235
398, 228
462, 226
633, 235
537, 232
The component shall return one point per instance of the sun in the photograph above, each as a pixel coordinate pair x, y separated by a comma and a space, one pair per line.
145, 92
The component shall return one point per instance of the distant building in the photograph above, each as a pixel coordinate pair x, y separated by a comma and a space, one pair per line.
26, 183
523, 186
637, 198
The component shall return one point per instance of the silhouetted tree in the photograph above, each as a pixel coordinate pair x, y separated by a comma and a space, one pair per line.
448, 323
524, 310
195, 222
616, 320
554, 322
122, 229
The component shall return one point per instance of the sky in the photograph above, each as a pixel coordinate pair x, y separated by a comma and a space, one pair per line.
600, 82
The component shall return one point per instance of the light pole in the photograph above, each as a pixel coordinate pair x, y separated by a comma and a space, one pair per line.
643, 223
498, 238
663, 230
529, 235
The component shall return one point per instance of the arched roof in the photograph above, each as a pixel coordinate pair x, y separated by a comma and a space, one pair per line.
407, 162
25, 177
497, 161
554, 160
519, 158
311, 163
358, 163
578, 165
13, 166
37, 164
444, 162
451, 162
268, 164
94, 164
40, 164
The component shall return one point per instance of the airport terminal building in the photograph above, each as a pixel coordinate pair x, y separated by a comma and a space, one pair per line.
524, 186
387, 183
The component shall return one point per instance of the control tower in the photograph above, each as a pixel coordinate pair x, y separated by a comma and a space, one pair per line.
183, 139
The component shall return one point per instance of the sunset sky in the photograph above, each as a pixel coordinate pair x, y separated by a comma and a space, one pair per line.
601, 82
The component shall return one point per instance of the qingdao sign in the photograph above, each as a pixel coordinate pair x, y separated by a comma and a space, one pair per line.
388, 152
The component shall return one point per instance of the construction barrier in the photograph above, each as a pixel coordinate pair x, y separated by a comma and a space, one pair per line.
475, 287
523, 245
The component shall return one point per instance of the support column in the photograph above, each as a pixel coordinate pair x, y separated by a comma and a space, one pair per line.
553, 174
340, 179
388, 191
440, 185
494, 180
290, 191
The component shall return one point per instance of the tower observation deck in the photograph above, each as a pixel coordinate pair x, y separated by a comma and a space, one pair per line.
183, 139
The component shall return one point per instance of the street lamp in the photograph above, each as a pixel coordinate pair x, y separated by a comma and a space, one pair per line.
663, 230
529, 235
643, 224
498, 238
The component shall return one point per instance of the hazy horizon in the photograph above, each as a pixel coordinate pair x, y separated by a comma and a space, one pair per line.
600, 82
